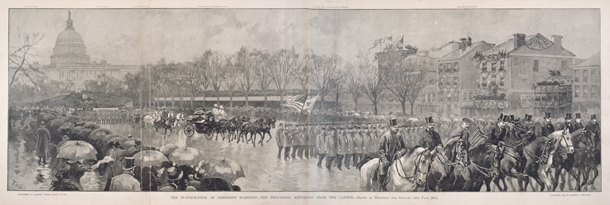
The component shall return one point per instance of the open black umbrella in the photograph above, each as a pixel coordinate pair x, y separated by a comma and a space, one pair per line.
224, 168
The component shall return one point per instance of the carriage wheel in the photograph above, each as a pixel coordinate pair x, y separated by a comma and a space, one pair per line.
189, 130
209, 135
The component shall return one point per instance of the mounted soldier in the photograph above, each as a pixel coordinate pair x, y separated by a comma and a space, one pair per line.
392, 147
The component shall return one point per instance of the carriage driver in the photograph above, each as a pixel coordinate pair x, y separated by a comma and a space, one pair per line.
391, 147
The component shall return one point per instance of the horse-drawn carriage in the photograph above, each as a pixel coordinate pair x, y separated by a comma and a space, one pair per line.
200, 122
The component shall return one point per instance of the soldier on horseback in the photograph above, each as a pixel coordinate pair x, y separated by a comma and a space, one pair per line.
392, 147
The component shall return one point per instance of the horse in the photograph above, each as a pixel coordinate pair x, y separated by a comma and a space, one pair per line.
450, 172
513, 160
539, 156
262, 127
407, 173
582, 160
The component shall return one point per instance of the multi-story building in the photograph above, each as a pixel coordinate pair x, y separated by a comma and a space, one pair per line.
71, 64
509, 72
458, 76
586, 90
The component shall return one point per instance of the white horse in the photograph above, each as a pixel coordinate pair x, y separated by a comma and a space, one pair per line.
408, 173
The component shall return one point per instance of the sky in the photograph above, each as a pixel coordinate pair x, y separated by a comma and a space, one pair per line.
141, 36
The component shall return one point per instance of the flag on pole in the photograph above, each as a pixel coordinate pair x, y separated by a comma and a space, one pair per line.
477, 138
300, 103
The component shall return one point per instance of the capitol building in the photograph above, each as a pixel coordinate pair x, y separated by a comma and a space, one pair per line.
71, 64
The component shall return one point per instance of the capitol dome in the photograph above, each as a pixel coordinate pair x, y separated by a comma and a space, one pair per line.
69, 46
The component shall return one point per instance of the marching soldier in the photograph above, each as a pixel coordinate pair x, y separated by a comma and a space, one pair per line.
350, 146
341, 146
548, 127
320, 145
358, 141
279, 138
288, 134
311, 141
366, 140
391, 147
430, 138
331, 147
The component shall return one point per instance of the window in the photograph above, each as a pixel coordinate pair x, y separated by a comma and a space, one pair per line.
585, 91
576, 91
585, 76
564, 64
576, 78
594, 91
465, 97
448, 97
456, 67
535, 66
456, 79
440, 96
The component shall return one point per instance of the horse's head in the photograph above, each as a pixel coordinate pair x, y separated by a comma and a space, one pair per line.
565, 140
423, 159
496, 157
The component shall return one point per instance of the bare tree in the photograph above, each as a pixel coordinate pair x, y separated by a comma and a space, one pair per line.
203, 70
217, 63
231, 76
404, 77
302, 73
282, 70
370, 79
246, 64
353, 83
20, 58
263, 78
324, 74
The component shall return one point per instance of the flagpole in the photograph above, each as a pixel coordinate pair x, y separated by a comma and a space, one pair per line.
299, 116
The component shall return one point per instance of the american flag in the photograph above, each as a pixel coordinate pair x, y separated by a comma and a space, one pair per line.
301, 103
477, 138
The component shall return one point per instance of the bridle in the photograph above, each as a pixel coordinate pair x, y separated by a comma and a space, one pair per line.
413, 178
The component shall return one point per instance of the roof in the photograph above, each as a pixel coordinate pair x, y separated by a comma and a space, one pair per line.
593, 61
534, 44
461, 53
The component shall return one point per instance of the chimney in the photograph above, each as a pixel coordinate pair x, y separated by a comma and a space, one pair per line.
557, 39
519, 39
455, 46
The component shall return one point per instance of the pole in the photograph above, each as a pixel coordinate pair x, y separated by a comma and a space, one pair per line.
149, 88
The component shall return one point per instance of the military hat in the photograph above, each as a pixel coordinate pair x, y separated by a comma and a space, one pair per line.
568, 116
577, 115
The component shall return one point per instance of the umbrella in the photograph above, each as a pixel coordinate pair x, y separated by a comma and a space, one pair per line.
112, 138
168, 149
186, 156
77, 150
225, 168
149, 158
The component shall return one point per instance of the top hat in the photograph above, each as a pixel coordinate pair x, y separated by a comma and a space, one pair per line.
593, 117
528, 118
502, 116
393, 122
577, 115
568, 116
547, 115
429, 120
505, 118
128, 163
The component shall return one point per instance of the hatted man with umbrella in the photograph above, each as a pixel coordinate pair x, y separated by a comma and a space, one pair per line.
43, 136
126, 181
392, 147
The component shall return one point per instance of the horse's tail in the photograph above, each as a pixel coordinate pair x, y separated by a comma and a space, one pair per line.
363, 161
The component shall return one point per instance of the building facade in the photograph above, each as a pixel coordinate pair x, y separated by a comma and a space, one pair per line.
71, 64
586, 92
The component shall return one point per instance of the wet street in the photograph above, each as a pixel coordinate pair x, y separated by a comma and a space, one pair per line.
264, 172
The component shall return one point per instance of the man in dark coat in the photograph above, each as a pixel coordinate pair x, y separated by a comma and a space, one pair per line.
350, 146
593, 129
429, 137
391, 147
548, 127
497, 131
567, 124
320, 145
577, 123
341, 146
43, 136
463, 134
